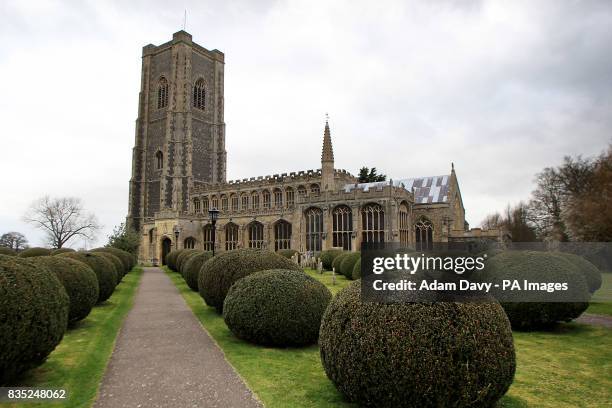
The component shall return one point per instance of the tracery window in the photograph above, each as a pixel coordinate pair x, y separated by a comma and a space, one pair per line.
245, 202
208, 237
215, 202
224, 203
373, 223
256, 239
199, 94
290, 197
315, 189
404, 225
162, 93
342, 217
234, 199
301, 191
255, 200
314, 229
205, 205
159, 156
266, 199
423, 234
196, 205
231, 236
282, 235
189, 243
278, 198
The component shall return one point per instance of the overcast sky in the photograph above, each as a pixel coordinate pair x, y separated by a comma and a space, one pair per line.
500, 88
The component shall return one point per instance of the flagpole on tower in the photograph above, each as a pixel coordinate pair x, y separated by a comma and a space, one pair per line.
185, 20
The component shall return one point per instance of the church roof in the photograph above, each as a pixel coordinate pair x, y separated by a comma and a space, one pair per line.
432, 189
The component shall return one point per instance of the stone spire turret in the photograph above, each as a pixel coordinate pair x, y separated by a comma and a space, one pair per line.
327, 160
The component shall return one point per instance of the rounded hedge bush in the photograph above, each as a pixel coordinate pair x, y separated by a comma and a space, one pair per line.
7, 251
192, 266
356, 274
535, 266
117, 264
34, 308
27, 253
287, 253
338, 261
348, 263
438, 354
171, 259
61, 251
276, 308
223, 270
78, 279
126, 258
103, 268
183, 256
587, 269
327, 257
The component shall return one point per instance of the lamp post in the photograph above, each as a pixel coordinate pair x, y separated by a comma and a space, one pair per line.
213, 213
177, 231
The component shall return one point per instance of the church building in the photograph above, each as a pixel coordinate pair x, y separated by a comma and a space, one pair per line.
179, 174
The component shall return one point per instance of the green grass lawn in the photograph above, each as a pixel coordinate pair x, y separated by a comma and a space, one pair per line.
602, 299
79, 361
570, 367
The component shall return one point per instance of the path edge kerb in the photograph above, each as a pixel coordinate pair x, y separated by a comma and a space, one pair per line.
214, 341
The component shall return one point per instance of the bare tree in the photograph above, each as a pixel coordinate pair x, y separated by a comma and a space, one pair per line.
62, 219
14, 240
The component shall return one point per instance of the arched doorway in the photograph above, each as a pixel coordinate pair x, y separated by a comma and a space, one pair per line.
166, 248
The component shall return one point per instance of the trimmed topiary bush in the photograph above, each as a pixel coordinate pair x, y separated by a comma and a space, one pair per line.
348, 263
192, 266
223, 270
117, 264
327, 257
535, 266
61, 251
338, 260
34, 315
287, 253
171, 259
78, 279
27, 253
103, 268
7, 251
356, 274
126, 258
183, 256
417, 354
276, 308
586, 268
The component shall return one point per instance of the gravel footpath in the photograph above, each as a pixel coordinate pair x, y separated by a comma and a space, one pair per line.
163, 357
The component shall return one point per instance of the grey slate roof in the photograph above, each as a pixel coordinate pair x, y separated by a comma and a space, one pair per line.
432, 189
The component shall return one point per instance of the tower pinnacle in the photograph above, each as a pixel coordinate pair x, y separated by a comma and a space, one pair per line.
328, 150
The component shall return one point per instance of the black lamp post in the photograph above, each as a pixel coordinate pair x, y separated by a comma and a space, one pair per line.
213, 213
177, 231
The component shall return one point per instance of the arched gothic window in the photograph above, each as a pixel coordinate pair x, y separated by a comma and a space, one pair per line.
151, 235
404, 225
162, 93
231, 236
208, 237
266, 199
256, 232
234, 200
278, 198
290, 197
255, 200
282, 235
373, 223
199, 94
196, 205
423, 234
189, 243
205, 205
315, 189
314, 229
301, 191
343, 227
159, 157
215, 202
245, 202
224, 205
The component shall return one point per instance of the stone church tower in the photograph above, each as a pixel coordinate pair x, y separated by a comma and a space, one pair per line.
180, 130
